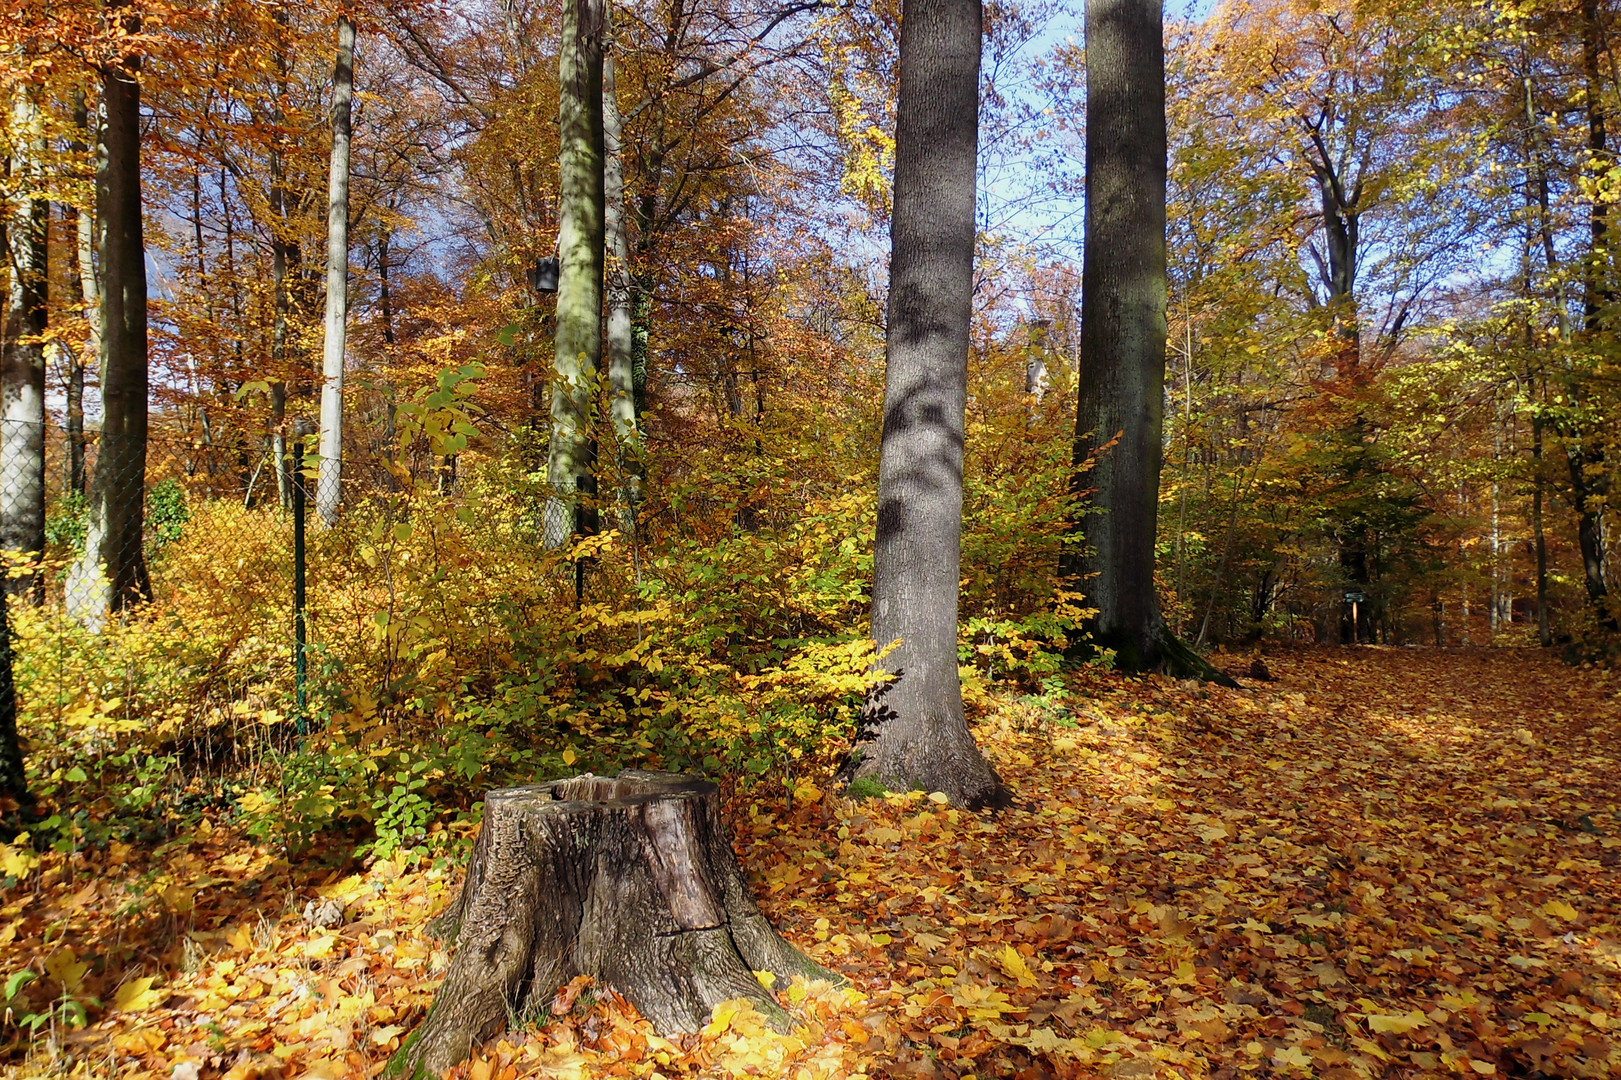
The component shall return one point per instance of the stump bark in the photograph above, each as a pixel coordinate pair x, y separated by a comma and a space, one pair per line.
630, 879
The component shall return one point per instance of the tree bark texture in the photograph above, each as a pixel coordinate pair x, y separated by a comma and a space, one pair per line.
84, 259
571, 464
1123, 327
914, 733
1585, 454
112, 573
329, 489
285, 256
1539, 532
13, 770
620, 339
22, 360
631, 880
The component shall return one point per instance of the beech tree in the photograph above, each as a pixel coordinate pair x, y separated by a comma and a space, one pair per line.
330, 492
914, 732
112, 572
22, 362
83, 254
620, 337
1120, 412
571, 465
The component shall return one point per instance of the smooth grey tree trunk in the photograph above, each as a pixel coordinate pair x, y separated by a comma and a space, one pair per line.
1120, 412
631, 880
571, 464
329, 490
620, 339
112, 574
22, 360
1123, 325
914, 733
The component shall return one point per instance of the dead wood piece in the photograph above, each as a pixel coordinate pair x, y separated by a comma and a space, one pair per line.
629, 879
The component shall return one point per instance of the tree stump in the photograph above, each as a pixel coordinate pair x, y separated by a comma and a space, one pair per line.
631, 880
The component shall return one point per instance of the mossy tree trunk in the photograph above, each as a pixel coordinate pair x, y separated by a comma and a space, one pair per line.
572, 462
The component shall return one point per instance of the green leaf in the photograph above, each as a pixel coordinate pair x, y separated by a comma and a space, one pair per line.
508, 334
77, 775
18, 980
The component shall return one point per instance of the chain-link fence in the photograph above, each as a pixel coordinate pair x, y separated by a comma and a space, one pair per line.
154, 570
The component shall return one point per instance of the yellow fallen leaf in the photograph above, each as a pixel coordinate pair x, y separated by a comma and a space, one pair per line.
1293, 1056
723, 1015
1560, 910
137, 995
66, 968
939, 797
1397, 1025
569, 756
768, 979
316, 948
17, 861
140, 1041
1016, 966
179, 899
385, 1035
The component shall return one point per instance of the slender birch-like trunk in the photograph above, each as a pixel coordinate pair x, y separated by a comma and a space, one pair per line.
621, 344
329, 491
22, 361
90, 300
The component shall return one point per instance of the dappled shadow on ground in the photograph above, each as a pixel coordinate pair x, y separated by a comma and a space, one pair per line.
1386, 863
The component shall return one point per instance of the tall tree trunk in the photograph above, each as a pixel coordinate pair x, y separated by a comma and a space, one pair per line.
571, 465
1536, 197
89, 299
1120, 413
1585, 454
13, 770
1540, 482
385, 304
329, 493
1341, 229
621, 343
73, 367
914, 732
22, 360
112, 574
284, 259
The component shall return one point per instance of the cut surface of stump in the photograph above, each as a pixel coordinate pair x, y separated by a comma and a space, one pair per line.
631, 880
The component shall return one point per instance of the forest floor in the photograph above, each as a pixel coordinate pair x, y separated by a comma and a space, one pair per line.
1387, 862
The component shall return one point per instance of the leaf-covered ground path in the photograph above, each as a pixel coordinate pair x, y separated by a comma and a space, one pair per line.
1385, 863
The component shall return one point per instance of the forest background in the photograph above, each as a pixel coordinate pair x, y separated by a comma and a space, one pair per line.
1387, 219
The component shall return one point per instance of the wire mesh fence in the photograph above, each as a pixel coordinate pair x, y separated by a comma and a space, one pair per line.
191, 554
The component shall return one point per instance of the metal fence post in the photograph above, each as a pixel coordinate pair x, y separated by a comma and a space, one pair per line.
300, 637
